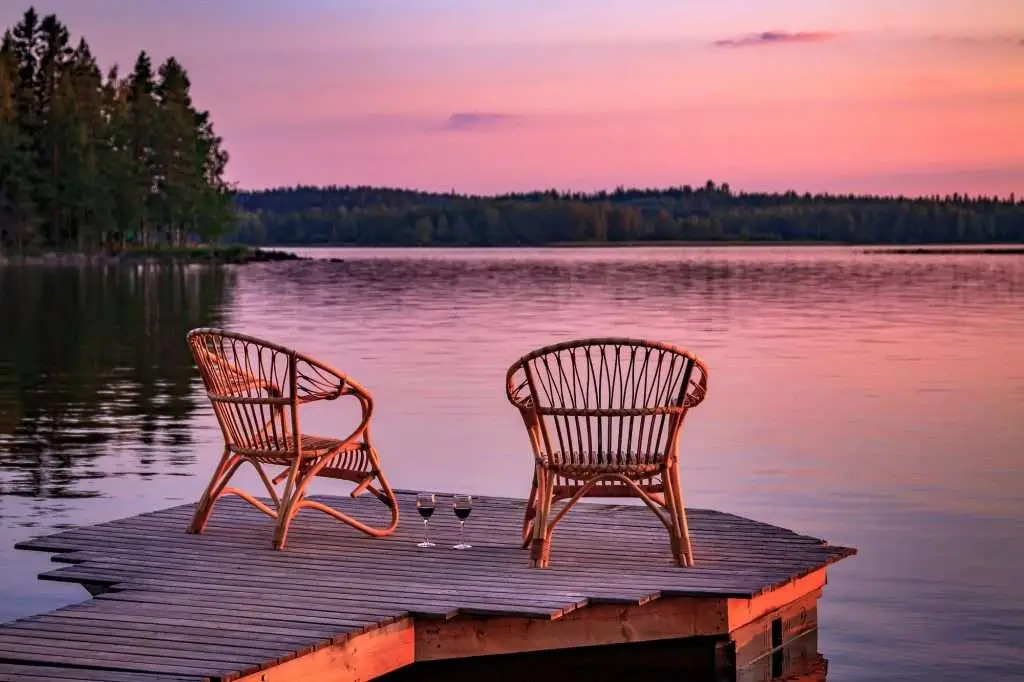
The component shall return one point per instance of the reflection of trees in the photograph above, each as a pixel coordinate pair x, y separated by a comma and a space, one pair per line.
93, 362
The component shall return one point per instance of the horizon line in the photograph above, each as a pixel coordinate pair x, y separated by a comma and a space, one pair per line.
1011, 197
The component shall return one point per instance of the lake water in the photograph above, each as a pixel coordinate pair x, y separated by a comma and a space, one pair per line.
874, 400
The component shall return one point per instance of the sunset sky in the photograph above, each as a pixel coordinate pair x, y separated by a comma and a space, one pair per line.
887, 96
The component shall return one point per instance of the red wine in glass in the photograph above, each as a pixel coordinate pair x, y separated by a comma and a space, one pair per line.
425, 503
463, 506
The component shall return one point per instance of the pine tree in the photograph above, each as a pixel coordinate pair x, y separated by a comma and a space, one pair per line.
54, 109
24, 45
17, 208
215, 208
142, 123
87, 193
178, 182
91, 161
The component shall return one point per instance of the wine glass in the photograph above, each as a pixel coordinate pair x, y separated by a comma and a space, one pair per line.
425, 506
463, 505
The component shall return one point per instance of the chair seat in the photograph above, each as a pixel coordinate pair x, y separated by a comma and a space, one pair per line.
350, 458
583, 466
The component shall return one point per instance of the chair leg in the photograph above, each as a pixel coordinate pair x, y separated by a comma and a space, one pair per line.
683, 548
540, 551
285, 515
387, 496
674, 533
294, 500
289, 504
531, 512
225, 470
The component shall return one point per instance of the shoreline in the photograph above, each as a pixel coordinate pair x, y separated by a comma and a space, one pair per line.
243, 255
947, 249
1008, 250
561, 245
199, 255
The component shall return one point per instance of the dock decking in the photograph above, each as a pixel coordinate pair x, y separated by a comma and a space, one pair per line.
338, 605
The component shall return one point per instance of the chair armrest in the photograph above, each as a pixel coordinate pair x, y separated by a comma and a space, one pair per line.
366, 402
517, 388
698, 389
315, 381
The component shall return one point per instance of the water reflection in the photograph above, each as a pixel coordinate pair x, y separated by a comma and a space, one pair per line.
95, 379
871, 399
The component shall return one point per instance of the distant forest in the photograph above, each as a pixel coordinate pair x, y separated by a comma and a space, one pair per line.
710, 213
92, 160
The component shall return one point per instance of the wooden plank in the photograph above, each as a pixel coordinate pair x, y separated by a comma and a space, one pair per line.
238, 515
743, 611
320, 541
756, 640
667, 618
737, 561
42, 673
143, 629
481, 530
797, 661
363, 657
203, 640
23, 640
254, 625
573, 566
413, 584
116, 662
554, 587
593, 626
127, 657
444, 566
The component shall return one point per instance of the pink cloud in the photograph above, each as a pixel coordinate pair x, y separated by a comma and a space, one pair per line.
777, 38
473, 120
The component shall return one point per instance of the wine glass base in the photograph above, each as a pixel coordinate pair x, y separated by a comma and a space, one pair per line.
425, 544
462, 545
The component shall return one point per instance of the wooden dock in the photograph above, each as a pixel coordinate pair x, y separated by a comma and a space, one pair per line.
338, 605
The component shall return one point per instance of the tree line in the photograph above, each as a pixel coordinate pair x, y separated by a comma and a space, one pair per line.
92, 160
708, 213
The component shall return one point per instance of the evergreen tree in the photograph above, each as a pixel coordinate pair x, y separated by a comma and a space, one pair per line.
17, 206
92, 161
142, 122
53, 115
174, 153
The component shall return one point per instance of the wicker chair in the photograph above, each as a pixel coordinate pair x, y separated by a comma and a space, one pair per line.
603, 417
256, 389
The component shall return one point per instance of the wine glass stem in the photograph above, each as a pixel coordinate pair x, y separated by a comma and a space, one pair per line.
426, 537
462, 525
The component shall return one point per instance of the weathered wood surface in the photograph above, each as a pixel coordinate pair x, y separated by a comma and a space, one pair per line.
223, 605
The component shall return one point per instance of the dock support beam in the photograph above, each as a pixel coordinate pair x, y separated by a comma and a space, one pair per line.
738, 639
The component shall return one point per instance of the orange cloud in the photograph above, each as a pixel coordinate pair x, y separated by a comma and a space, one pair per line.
777, 38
